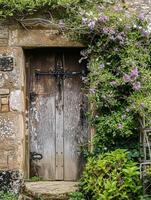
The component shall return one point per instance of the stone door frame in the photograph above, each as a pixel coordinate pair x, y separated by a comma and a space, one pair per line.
30, 39
13, 41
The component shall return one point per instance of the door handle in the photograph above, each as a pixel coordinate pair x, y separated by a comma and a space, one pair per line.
35, 156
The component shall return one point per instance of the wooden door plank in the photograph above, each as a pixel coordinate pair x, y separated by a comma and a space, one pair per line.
59, 133
42, 116
73, 127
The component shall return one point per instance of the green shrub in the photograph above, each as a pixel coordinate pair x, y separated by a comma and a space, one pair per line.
36, 178
111, 176
8, 196
76, 196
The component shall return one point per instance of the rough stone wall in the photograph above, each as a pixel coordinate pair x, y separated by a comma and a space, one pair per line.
10, 181
11, 112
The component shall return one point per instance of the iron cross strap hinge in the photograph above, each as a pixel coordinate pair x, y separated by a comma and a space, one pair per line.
60, 74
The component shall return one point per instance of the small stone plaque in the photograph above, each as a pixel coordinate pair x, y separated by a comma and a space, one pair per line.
6, 63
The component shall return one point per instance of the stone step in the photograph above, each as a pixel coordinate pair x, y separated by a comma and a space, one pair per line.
48, 190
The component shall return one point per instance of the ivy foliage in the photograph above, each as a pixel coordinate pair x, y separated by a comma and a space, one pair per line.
18, 9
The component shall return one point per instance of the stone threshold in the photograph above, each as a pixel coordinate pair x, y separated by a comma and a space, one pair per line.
48, 190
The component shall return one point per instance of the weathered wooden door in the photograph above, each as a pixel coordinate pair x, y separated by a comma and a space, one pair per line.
57, 125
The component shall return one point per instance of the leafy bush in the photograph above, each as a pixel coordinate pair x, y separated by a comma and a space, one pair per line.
8, 196
76, 196
36, 178
111, 176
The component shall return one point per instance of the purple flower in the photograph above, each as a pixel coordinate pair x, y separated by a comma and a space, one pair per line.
103, 19
141, 17
144, 32
113, 83
118, 9
122, 34
84, 20
110, 31
136, 86
105, 30
120, 126
142, 105
102, 66
126, 78
119, 37
91, 24
134, 73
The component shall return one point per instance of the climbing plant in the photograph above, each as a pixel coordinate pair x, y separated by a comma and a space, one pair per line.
119, 77
118, 85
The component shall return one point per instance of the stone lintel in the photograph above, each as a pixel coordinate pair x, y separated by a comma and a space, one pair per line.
40, 38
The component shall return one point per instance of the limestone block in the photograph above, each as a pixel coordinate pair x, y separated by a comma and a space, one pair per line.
40, 38
4, 100
15, 77
4, 91
7, 145
16, 101
3, 42
4, 108
7, 160
3, 160
4, 34
2, 80
11, 141
7, 126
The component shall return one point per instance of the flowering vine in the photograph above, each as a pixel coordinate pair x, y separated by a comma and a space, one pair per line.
119, 73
